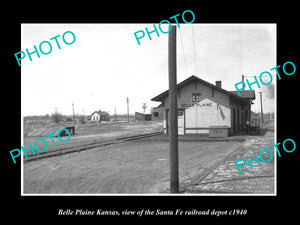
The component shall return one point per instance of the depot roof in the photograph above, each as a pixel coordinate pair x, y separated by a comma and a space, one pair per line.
245, 95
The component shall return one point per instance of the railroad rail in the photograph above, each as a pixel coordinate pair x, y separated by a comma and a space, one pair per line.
88, 146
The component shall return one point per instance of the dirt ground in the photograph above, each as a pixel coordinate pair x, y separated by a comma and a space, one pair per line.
92, 128
91, 133
140, 166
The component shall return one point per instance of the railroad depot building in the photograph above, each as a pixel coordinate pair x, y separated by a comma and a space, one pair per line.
202, 105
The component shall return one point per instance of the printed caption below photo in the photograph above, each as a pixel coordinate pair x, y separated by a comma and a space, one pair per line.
151, 212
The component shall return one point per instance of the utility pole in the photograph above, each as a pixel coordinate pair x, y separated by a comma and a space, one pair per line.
127, 101
144, 108
73, 113
261, 108
115, 115
243, 78
173, 122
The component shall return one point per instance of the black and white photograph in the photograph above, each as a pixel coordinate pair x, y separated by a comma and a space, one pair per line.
144, 114
98, 119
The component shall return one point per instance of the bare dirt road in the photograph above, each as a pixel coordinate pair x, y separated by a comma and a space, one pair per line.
140, 166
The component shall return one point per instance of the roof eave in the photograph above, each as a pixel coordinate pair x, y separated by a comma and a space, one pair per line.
159, 98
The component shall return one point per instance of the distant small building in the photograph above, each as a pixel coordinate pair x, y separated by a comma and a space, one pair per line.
99, 116
158, 112
142, 116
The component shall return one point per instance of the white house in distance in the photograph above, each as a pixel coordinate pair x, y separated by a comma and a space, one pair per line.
99, 116
95, 116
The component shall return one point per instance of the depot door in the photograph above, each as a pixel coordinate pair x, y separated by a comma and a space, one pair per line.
180, 122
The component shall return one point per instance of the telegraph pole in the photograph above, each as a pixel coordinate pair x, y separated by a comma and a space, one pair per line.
261, 108
173, 123
243, 80
73, 113
144, 108
127, 101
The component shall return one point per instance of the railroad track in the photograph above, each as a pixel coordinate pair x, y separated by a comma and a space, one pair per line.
88, 146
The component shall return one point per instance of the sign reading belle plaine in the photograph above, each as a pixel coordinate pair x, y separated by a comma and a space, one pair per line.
195, 105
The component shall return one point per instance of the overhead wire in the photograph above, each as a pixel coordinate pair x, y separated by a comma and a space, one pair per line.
184, 54
186, 67
194, 46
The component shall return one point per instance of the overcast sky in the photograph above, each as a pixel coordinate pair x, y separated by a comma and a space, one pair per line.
105, 64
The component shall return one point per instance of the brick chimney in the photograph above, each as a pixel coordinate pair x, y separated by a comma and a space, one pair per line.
219, 83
